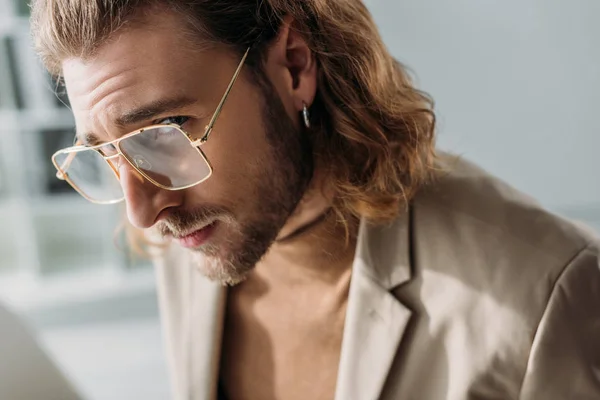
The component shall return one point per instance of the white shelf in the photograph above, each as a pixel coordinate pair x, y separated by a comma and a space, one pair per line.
13, 23
69, 203
38, 298
36, 120
49, 234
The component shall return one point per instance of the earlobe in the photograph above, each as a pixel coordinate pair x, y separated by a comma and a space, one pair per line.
305, 90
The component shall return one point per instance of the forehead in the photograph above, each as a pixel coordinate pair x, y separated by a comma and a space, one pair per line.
141, 64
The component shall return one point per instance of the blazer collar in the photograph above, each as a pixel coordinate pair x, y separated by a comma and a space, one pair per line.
375, 319
383, 252
204, 337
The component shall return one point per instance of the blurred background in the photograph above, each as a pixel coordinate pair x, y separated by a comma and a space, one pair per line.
517, 87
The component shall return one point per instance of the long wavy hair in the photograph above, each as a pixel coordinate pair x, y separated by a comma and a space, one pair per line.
376, 130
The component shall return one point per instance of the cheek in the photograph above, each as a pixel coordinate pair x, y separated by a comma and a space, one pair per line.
237, 148
238, 152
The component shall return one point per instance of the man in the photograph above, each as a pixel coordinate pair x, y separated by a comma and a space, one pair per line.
319, 248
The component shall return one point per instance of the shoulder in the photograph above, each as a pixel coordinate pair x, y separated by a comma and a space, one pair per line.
492, 244
467, 204
502, 282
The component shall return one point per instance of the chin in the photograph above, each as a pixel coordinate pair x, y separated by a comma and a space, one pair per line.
219, 269
231, 254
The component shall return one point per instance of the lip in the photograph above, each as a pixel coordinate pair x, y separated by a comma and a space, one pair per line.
199, 237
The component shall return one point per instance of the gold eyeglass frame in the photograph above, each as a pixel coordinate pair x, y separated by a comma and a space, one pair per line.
73, 150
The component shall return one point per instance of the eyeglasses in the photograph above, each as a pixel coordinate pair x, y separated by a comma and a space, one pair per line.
164, 154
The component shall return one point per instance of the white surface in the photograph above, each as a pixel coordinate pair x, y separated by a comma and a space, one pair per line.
112, 361
26, 372
516, 83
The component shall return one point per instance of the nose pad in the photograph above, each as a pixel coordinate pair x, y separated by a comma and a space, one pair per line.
145, 171
142, 163
140, 196
126, 172
144, 200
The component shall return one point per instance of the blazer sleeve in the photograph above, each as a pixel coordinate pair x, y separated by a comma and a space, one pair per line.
564, 362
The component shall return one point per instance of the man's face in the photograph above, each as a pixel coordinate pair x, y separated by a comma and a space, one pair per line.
261, 160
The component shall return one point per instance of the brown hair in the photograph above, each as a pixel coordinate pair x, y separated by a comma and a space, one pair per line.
376, 131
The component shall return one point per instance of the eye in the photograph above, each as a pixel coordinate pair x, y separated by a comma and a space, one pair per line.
177, 120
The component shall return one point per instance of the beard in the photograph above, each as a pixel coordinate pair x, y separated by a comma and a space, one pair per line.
283, 178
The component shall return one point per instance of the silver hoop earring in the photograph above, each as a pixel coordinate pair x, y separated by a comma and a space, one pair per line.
306, 115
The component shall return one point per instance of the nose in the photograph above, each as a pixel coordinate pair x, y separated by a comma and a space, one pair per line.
145, 201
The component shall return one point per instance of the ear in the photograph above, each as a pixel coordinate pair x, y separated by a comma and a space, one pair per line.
295, 63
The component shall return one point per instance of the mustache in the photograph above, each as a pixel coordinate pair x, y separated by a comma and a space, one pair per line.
181, 222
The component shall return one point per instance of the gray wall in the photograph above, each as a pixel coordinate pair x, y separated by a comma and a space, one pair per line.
517, 86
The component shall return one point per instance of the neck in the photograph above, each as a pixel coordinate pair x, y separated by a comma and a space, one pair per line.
314, 247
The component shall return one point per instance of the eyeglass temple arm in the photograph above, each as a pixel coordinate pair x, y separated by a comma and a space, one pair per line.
209, 127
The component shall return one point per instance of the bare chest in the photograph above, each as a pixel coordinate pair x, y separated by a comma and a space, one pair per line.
286, 354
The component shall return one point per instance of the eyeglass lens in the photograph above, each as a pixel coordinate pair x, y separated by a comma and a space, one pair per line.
162, 154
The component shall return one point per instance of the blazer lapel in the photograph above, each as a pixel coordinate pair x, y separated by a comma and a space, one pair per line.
375, 319
206, 317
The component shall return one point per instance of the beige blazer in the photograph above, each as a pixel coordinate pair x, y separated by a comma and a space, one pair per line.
475, 293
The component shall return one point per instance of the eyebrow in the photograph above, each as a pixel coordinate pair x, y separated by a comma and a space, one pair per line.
141, 114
